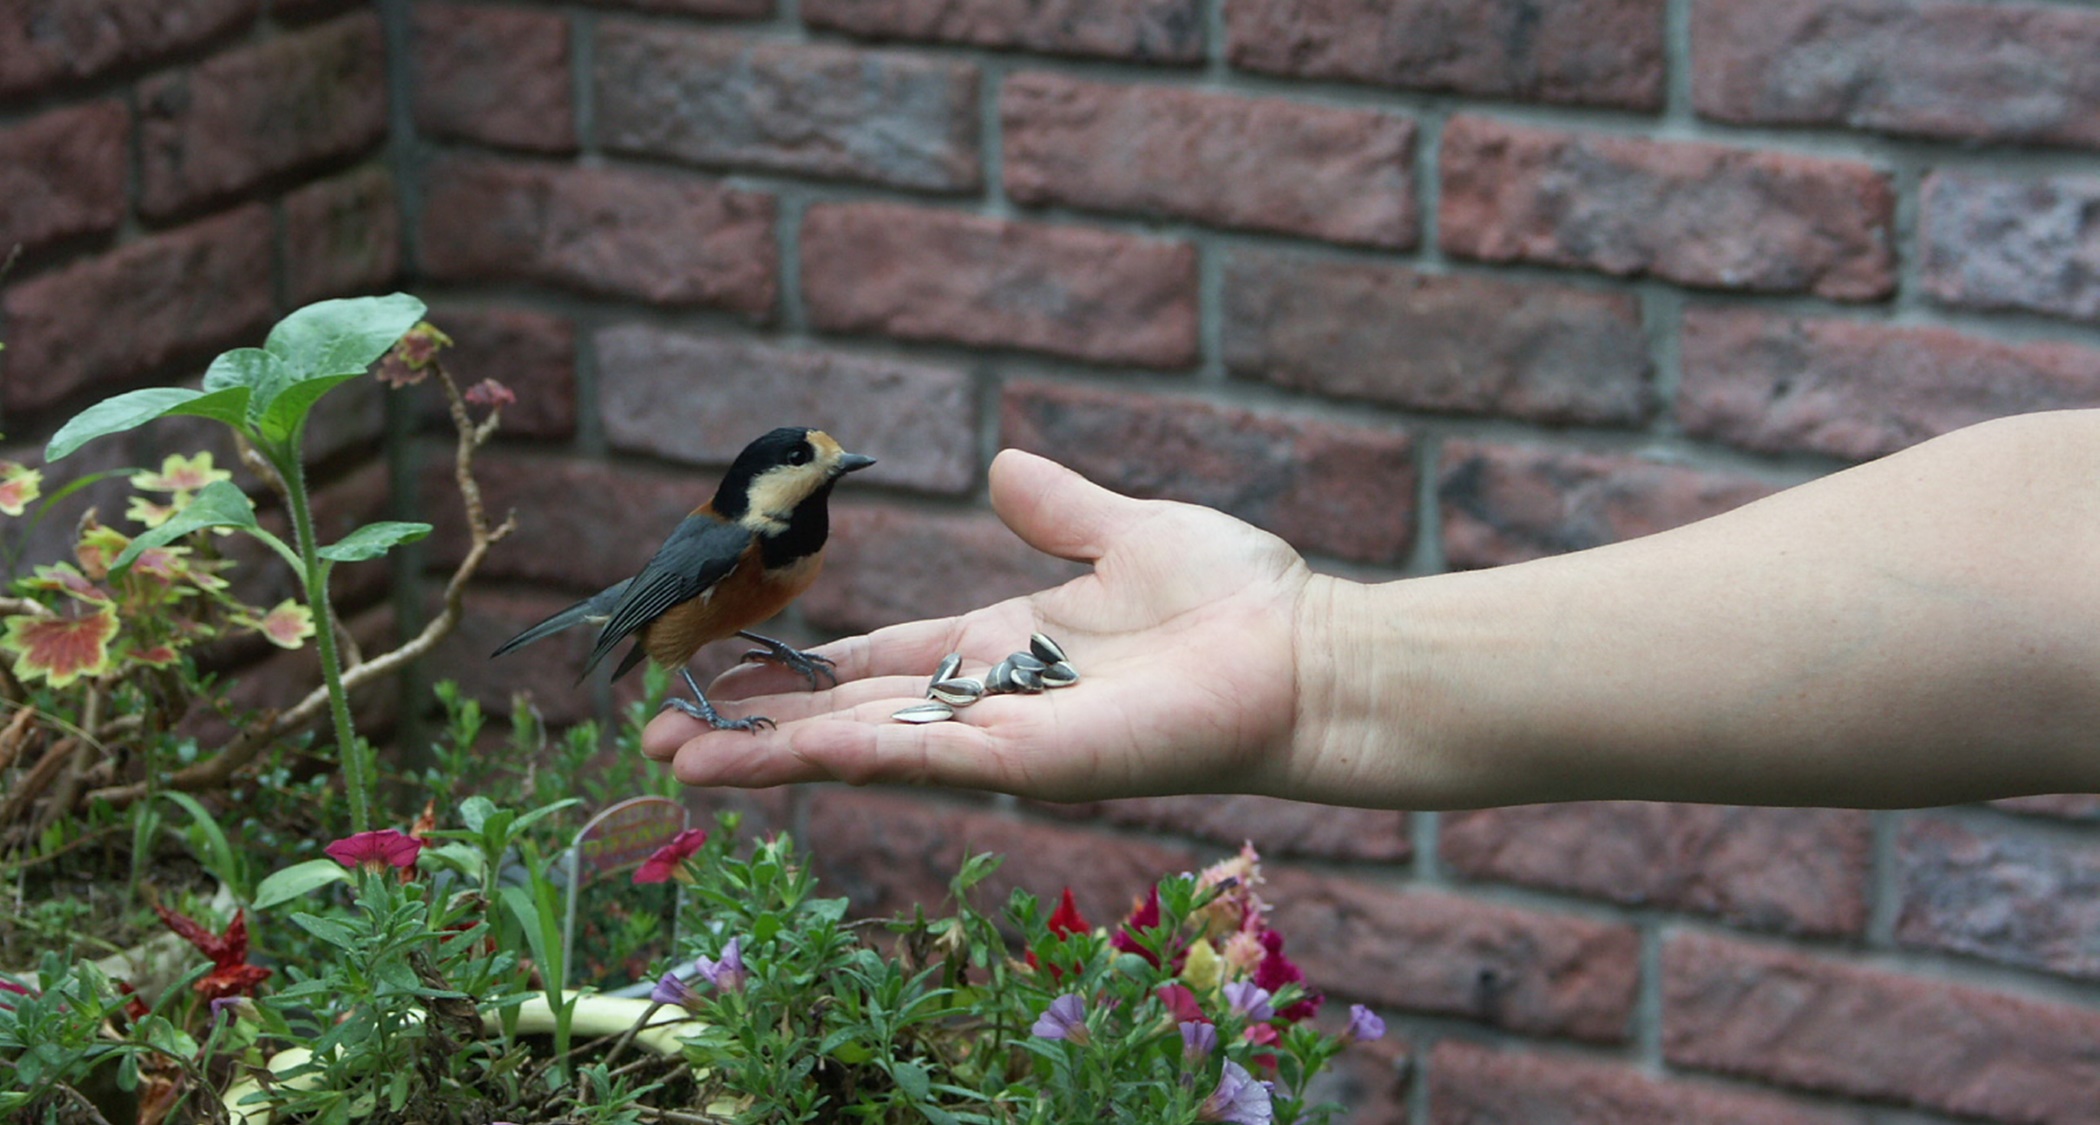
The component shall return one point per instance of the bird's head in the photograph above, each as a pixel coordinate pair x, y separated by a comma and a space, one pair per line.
780, 471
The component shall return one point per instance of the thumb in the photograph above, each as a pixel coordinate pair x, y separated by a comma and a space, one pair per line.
1055, 510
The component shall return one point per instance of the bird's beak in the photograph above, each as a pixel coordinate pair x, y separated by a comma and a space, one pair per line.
852, 463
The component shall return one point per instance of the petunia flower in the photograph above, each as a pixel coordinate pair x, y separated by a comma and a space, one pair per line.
1232, 904
1238, 1099
491, 394
1276, 970
672, 989
1181, 1003
1250, 1000
19, 486
231, 974
1064, 1019
1064, 922
180, 474
727, 974
1364, 1024
666, 863
1198, 1040
1242, 953
60, 649
233, 1008
1144, 917
377, 850
1201, 967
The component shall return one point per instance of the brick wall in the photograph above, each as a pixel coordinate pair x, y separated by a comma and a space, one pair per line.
1418, 285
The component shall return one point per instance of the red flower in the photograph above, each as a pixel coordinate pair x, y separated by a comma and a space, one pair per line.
1145, 917
1064, 922
1276, 970
376, 851
231, 974
663, 864
1182, 1003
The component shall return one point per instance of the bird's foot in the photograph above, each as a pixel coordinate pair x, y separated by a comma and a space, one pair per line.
706, 713
807, 664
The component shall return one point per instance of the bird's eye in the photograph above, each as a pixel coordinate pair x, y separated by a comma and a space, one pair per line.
800, 455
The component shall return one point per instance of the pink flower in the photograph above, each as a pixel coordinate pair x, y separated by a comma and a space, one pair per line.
1181, 1003
491, 394
377, 850
664, 863
1238, 1098
1064, 1019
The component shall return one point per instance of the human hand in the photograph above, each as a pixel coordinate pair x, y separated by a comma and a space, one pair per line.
1185, 636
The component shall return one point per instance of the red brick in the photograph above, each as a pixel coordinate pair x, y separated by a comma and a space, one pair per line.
1519, 970
547, 670
342, 236
50, 42
1507, 503
1993, 243
532, 353
62, 174
1776, 383
1585, 52
799, 108
2000, 73
1697, 214
941, 275
2063, 806
1822, 1025
1801, 871
1471, 1084
887, 565
1463, 344
283, 105
733, 9
888, 852
1369, 1079
667, 240
700, 399
353, 418
1155, 31
1275, 827
1344, 175
113, 319
1326, 487
497, 76
2019, 894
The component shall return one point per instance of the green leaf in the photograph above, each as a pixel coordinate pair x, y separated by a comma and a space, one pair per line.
333, 932
283, 413
342, 336
228, 405
373, 540
474, 811
116, 415
911, 1079
296, 880
218, 504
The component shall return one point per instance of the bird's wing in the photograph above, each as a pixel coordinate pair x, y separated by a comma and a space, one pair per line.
700, 552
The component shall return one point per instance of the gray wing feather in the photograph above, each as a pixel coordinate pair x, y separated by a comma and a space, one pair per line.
699, 553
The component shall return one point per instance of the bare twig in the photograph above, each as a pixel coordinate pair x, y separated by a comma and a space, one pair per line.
16, 735
17, 607
245, 746
77, 764
36, 780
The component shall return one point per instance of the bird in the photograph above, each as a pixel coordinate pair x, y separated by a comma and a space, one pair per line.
732, 563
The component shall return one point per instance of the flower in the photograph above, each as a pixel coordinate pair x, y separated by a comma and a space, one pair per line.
1064, 1019
1276, 970
1250, 1000
233, 1008
1364, 1024
409, 360
180, 474
727, 974
1198, 1040
672, 989
491, 394
19, 484
287, 625
8, 987
1238, 1098
1145, 916
1202, 968
60, 649
1242, 953
231, 974
377, 850
1064, 922
1233, 905
664, 863
1181, 1003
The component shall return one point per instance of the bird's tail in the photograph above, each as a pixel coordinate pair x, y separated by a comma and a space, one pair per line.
590, 611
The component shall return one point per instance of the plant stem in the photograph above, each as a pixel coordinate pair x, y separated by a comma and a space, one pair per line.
355, 774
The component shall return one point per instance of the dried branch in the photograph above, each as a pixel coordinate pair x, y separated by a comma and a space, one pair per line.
16, 735
39, 777
245, 746
16, 607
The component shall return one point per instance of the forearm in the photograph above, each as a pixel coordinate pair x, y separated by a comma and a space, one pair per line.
1920, 630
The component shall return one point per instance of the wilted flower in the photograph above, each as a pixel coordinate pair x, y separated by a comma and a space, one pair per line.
728, 973
1250, 1000
491, 394
1238, 1098
409, 360
1364, 1024
231, 974
19, 485
666, 862
672, 989
1198, 1040
377, 850
233, 1008
1064, 1019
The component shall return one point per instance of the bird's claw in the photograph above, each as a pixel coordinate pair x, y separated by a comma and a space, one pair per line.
806, 664
707, 714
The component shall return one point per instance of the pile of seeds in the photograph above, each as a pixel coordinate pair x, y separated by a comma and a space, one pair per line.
1043, 666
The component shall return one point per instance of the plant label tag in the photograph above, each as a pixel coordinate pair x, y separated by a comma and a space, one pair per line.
622, 836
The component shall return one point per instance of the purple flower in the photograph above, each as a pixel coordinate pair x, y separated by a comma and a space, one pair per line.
1065, 1019
1364, 1024
728, 973
1238, 1098
672, 989
1198, 1040
1250, 1000
233, 1008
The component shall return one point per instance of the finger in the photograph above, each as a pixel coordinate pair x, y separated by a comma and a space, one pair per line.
1057, 511
864, 746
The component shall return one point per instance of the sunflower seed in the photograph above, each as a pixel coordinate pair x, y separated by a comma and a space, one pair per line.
1028, 681
960, 691
1000, 680
925, 713
1045, 649
1026, 663
1060, 674
950, 665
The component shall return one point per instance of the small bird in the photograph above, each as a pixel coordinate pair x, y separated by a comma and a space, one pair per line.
735, 561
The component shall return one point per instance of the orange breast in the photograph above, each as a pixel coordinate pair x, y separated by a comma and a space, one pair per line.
748, 596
